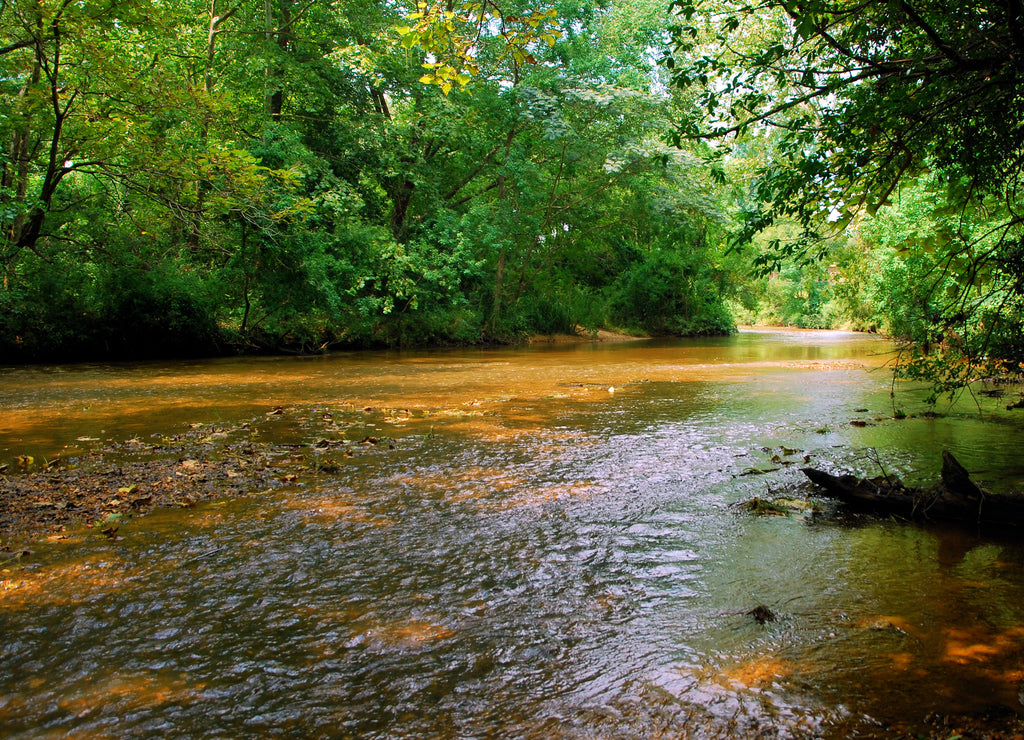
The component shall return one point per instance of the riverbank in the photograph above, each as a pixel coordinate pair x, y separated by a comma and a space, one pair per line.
98, 492
582, 336
99, 352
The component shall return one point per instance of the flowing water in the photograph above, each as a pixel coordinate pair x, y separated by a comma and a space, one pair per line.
548, 546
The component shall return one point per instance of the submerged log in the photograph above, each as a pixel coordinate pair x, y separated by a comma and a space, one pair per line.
957, 498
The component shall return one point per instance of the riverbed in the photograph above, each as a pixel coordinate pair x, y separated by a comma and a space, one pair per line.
541, 542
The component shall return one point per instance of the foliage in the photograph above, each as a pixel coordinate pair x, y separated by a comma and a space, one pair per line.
946, 287
238, 175
854, 100
450, 33
669, 294
842, 294
92, 309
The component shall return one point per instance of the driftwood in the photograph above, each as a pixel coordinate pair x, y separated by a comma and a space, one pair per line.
957, 498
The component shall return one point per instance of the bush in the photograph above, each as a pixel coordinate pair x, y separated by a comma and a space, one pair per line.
669, 294
149, 312
45, 311
74, 310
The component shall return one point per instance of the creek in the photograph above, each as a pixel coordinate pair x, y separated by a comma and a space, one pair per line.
545, 543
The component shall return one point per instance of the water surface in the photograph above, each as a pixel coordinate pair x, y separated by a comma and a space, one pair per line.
548, 546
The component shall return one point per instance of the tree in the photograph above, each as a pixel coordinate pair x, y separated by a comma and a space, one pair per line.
858, 98
546, 152
119, 161
297, 175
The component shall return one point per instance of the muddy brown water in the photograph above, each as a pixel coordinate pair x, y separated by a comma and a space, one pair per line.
547, 546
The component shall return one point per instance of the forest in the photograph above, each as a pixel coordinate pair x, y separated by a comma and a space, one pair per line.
199, 178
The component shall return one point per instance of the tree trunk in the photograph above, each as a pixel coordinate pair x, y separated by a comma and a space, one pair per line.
499, 275
279, 35
402, 197
31, 228
956, 499
20, 156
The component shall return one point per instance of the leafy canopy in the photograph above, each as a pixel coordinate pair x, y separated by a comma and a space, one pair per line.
860, 94
452, 34
854, 99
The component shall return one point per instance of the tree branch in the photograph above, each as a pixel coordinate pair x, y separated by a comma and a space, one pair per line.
948, 51
17, 45
472, 173
787, 105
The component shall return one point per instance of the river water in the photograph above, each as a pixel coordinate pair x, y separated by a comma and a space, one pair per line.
546, 543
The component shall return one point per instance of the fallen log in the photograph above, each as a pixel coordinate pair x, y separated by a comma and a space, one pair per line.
956, 498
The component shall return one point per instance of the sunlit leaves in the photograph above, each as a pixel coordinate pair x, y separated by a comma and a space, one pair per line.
451, 34
445, 76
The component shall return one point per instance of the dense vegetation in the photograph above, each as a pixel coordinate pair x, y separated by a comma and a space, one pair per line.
886, 145
183, 177
235, 175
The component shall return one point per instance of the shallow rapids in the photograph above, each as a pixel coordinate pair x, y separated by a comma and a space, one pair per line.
541, 543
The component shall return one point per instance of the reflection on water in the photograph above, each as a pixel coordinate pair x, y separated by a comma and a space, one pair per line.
537, 556
46, 408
